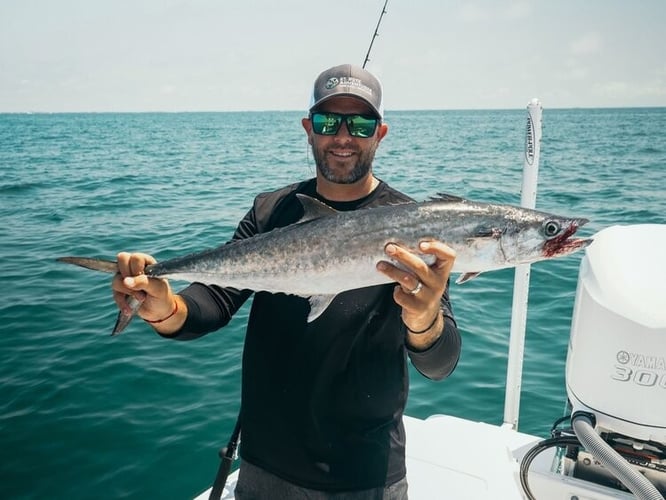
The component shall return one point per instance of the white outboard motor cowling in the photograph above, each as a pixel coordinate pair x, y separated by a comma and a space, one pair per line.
616, 364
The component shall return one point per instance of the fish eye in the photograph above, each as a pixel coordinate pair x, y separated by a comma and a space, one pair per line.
551, 228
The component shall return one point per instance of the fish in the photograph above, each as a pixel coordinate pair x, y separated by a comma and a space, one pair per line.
328, 252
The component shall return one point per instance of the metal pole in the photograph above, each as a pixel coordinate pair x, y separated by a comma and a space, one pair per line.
521, 284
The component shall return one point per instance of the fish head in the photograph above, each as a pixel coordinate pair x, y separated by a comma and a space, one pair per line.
541, 237
558, 237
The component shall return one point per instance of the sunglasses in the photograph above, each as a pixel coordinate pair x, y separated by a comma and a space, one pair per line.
357, 125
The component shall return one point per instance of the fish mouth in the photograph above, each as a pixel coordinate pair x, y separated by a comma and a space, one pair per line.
564, 244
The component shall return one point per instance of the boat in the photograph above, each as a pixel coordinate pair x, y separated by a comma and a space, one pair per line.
613, 443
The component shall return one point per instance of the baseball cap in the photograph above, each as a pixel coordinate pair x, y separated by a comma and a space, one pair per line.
348, 80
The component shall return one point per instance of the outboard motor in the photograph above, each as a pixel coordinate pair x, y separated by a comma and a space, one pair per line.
616, 363
616, 370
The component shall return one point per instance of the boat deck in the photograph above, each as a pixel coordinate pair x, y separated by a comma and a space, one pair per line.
457, 459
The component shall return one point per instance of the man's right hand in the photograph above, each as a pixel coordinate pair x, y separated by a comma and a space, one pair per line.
165, 311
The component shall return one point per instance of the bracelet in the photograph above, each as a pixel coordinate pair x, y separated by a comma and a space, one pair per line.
425, 329
175, 310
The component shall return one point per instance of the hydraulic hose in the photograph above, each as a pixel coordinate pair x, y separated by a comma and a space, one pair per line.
638, 484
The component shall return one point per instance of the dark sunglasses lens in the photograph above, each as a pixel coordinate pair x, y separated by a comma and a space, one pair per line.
361, 126
326, 123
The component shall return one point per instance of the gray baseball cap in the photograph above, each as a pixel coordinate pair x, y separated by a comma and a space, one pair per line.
348, 80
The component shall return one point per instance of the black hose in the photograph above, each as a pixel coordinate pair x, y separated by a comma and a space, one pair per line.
536, 450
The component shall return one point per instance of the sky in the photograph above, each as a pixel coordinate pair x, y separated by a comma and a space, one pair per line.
254, 55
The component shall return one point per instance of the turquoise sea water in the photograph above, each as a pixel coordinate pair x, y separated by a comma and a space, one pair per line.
85, 415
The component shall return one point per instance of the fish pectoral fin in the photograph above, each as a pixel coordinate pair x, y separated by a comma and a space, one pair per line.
314, 209
491, 232
465, 277
318, 304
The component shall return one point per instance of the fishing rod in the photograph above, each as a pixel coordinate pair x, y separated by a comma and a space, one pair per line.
374, 35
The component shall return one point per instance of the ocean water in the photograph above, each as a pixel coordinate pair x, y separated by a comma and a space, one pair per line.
86, 415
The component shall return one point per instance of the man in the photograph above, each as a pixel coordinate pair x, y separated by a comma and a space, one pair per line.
322, 402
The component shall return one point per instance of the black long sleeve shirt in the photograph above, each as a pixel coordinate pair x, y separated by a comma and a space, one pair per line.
322, 402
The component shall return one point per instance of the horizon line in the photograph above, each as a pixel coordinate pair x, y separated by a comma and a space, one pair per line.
184, 111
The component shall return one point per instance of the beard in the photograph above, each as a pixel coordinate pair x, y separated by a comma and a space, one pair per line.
359, 170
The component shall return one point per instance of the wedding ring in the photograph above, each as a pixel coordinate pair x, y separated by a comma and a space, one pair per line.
417, 288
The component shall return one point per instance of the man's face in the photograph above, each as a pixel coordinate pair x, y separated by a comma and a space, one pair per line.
342, 158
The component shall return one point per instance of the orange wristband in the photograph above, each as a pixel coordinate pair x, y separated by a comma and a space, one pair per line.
175, 310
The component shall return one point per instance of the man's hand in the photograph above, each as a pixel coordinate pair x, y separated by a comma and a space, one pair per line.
159, 305
420, 287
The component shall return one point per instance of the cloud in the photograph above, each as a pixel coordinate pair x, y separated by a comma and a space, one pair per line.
473, 12
573, 70
588, 44
490, 12
519, 10
167, 89
632, 91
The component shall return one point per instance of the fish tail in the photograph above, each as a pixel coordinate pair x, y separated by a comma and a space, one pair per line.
106, 266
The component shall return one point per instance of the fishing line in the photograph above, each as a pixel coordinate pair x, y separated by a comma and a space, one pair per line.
375, 34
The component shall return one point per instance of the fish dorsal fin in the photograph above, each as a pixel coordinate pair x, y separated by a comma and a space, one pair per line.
447, 198
314, 209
